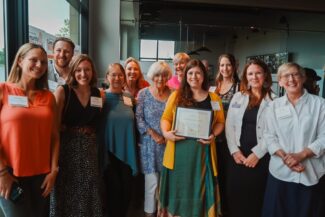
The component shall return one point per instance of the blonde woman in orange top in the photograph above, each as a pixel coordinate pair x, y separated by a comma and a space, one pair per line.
29, 135
134, 77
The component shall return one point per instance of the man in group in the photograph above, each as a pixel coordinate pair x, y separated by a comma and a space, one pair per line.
63, 50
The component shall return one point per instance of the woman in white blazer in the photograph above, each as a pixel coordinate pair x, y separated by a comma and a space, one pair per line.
247, 173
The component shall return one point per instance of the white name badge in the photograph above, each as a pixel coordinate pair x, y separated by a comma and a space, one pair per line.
96, 102
61, 81
127, 101
282, 112
235, 105
53, 85
18, 101
212, 89
215, 106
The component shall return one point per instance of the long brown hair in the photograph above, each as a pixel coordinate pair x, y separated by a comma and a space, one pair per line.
233, 63
266, 88
16, 71
185, 94
76, 60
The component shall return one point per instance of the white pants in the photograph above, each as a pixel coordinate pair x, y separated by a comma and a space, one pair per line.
150, 192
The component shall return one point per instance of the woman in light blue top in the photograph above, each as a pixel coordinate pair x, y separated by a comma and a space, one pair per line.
151, 104
295, 138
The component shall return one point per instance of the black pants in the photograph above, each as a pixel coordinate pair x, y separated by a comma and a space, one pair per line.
119, 184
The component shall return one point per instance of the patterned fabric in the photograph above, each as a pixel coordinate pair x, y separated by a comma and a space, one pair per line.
189, 190
148, 114
77, 188
76, 192
226, 97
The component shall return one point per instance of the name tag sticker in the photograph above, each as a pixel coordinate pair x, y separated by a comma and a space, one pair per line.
53, 85
235, 105
61, 81
96, 102
127, 101
18, 101
282, 112
212, 89
215, 106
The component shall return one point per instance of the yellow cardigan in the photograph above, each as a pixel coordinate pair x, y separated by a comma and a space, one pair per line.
169, 115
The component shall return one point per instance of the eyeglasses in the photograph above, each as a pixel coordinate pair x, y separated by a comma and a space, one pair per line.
294, 76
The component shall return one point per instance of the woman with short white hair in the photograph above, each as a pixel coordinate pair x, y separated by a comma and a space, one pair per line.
295, 138
151, 104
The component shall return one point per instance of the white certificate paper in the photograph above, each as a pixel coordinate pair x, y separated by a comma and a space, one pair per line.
193, 123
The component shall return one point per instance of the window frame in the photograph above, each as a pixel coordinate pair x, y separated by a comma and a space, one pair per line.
156, 58
16, 26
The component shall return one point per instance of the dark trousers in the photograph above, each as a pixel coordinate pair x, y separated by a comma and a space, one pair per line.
119, 184
288, 199
31, 203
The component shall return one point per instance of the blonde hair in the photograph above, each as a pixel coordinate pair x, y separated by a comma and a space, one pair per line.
16, 71
181, 57
132, 59
160, 67
76, 60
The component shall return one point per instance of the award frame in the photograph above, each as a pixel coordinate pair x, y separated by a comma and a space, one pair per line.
193, 122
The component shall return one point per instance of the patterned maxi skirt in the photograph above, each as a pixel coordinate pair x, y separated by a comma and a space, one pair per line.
190, 189
77, 189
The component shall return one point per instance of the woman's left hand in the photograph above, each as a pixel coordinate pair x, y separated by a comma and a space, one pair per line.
207, 141
48, 183
251, 160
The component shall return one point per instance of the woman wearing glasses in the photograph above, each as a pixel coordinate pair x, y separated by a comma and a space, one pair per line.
295, 138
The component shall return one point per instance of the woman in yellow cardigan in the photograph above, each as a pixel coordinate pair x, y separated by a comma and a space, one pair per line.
188, 187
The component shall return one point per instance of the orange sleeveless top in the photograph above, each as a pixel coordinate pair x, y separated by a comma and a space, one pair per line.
26, 132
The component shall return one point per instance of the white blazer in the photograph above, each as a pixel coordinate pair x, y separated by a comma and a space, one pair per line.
234, 123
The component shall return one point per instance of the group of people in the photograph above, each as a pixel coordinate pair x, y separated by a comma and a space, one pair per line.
75, 152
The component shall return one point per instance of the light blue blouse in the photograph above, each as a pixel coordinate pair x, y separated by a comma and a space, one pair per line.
148, 115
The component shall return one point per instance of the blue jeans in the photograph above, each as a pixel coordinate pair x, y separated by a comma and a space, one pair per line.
32, 204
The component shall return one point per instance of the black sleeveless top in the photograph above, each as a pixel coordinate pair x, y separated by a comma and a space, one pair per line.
74, 114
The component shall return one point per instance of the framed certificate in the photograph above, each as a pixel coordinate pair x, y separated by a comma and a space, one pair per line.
193, 123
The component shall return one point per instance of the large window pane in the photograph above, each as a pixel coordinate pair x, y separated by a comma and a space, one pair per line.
49, 19
2, 46
148, 49
166, 49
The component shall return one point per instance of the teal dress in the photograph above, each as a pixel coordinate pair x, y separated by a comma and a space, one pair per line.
119, 134
119, 138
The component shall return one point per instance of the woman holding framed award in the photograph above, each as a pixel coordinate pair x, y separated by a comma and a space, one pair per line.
188, 187
247, 172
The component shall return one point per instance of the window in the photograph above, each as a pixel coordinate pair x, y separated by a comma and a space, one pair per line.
154, 50
3, 75
49, 19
